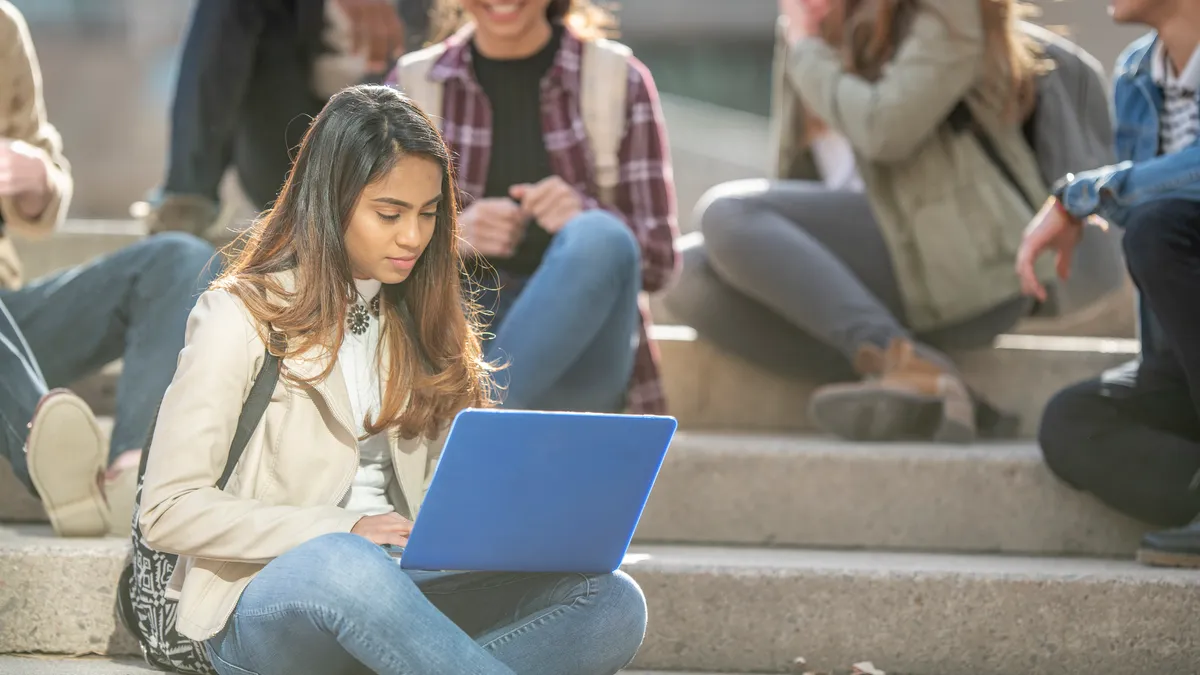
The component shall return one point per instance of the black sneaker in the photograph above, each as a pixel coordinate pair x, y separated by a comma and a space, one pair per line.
1172, 548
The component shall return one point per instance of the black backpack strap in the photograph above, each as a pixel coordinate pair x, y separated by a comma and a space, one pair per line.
253, 409
961, 119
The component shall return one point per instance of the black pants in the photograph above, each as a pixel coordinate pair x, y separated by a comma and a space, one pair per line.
1132, 437
244, 94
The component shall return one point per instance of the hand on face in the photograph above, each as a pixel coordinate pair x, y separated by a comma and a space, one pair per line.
386, 528
1052, 229
22, 169
551, 201
803, 17
377, 30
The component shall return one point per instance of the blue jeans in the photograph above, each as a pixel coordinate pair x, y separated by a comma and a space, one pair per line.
132, 304
568, 333
340, 604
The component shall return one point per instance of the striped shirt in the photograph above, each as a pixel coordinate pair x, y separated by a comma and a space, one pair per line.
1179, 118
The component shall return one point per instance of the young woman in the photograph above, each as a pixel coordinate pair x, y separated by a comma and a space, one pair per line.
568, 261
812, 280
354, 278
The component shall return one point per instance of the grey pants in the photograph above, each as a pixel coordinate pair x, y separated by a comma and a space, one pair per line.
796, 278
132, 304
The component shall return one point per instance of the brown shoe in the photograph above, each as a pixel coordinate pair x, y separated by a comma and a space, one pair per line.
179, 213
66, 454
903, 396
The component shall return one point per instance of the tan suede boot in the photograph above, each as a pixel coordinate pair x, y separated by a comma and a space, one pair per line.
66, 454
903, 396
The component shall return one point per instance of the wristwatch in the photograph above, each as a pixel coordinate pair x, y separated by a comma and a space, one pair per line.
1060, 187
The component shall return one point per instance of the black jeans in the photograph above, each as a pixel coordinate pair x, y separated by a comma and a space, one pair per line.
244, 94
1132, 437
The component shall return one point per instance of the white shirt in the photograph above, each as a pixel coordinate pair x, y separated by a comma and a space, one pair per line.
835, 162
1179, 119
360, 368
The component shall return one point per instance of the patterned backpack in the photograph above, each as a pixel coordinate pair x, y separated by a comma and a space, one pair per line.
142, 591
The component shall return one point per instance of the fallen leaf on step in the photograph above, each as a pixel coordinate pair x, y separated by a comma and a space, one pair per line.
866, 668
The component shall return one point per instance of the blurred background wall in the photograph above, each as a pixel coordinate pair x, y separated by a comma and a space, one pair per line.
109, 70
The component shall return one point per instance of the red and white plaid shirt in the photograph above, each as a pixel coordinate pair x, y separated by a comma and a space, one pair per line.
645, 192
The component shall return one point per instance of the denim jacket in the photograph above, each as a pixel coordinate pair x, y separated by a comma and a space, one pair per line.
1140, 174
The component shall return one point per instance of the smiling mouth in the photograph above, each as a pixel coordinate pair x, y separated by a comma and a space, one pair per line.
504, 10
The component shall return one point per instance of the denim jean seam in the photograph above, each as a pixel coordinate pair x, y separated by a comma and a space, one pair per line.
214, 656
541, 620
308, 608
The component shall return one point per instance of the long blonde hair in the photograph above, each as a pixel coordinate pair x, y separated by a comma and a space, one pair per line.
586, 19
867, 33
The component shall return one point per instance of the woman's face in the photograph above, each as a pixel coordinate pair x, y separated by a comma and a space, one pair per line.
509, 21
1140, 11
394, 219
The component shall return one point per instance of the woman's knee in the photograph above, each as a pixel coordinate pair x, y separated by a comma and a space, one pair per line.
601, 237
175, 257
343, 571
622, 619
724, 209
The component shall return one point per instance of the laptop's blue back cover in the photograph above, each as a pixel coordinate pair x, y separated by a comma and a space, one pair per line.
520, 491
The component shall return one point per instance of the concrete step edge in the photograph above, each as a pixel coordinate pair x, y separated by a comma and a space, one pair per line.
754, 609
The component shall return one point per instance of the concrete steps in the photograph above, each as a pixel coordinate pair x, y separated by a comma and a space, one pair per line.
735, 489
709, 389
744, 610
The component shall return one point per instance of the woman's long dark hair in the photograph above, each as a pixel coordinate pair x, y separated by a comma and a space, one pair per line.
430, 341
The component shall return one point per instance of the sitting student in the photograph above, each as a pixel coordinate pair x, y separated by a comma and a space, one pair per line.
1132, 437
356, 272
570, 204
870, 273
60, 328
252, 73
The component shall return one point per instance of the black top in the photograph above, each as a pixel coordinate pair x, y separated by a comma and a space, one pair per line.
513, 87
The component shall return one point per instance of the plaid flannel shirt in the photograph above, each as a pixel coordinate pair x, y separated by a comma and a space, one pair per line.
645, 192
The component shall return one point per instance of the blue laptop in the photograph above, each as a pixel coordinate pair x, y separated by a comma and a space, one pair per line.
521, 491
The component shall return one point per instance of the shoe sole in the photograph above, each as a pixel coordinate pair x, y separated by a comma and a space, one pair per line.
1164, 559
880, 414
66, 457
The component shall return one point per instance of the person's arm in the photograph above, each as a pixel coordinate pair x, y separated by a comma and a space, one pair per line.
1110, 192
25, 120
645, 192
887, 120
182, 511
215, 71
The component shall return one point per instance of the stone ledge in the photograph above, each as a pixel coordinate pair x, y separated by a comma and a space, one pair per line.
755, 490
708, 389
738, 609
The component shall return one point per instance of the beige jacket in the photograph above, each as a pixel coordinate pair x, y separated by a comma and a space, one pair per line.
951, 221
23, 118
295, 470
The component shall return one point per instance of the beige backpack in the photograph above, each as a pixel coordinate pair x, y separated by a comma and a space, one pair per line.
605, 73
